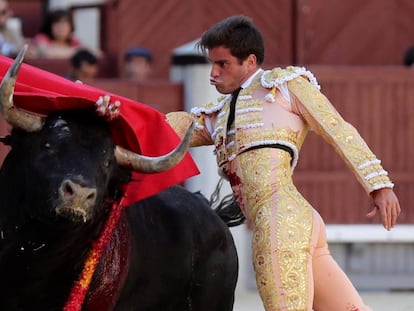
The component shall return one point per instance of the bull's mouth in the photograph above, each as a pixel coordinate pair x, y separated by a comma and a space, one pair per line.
75, 201
73, 213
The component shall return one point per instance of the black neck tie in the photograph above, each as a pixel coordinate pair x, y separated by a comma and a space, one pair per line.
232, 107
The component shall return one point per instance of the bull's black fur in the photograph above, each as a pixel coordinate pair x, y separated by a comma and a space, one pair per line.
180, 254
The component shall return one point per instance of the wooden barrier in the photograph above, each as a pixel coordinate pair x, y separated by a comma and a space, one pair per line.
30, 14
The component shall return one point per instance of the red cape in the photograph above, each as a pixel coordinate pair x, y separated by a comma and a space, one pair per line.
138, 127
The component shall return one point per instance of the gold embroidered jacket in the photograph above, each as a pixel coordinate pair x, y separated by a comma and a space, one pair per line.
278, 107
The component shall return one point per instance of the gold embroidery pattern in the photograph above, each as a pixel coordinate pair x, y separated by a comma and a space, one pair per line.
229, 145
249, 118
210, 107
325, 120
259, 134
279, 73
249, 103
277, 76
282, 227
180, 121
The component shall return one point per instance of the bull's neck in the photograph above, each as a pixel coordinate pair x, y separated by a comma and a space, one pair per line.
35, 258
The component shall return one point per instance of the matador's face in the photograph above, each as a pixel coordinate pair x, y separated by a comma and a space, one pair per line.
227, 73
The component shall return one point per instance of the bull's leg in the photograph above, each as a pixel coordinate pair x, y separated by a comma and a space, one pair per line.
215, 280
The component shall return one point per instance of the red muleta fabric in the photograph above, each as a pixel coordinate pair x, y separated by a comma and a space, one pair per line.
138, 127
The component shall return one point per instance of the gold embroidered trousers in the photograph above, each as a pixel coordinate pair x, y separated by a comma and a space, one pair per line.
293, 267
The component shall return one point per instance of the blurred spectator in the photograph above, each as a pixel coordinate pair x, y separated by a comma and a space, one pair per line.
11, 40
409, 57
84, 66
56, 38
137, 64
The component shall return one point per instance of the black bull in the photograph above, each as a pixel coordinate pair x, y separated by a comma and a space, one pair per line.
171, 251
168, 252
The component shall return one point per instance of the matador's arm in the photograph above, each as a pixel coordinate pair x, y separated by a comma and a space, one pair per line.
180, 121
323, 118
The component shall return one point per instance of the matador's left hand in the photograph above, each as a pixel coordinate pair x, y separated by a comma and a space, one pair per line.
386, 202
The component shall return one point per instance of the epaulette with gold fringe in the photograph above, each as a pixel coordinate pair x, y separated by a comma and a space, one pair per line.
277, 76
210, 107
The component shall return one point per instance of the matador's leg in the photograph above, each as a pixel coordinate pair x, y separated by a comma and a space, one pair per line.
333, 289
282, 226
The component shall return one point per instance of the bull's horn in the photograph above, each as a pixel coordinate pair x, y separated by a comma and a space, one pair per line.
146, 164
14, 116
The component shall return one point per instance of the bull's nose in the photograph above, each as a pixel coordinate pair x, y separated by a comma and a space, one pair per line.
77, 194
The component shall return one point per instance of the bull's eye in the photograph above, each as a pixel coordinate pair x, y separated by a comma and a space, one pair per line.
59, 123
60, 128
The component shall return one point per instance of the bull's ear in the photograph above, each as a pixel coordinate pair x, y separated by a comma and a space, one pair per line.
5, 140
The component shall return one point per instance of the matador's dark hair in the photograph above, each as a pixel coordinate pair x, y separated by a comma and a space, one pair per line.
239, 34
